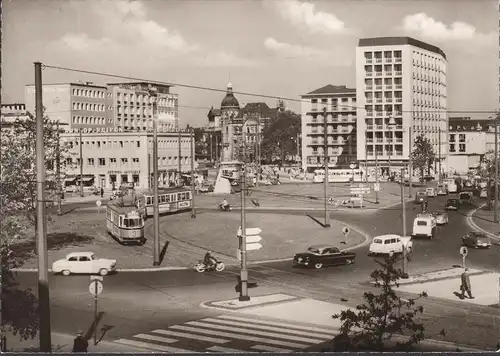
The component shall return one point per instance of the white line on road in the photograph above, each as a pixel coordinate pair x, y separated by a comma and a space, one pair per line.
270, 349
223, 349
191, 336
239, 336
147, 345
155, 338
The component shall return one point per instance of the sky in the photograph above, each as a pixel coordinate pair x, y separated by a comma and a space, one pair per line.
282, 48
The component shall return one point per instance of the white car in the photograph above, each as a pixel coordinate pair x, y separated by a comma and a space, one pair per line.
83, 262
441, 218
385, 244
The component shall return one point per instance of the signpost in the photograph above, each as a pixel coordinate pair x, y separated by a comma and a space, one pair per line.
95, 288
252, 238
463, 252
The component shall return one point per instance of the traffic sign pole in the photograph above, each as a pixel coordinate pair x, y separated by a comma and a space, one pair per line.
96, 283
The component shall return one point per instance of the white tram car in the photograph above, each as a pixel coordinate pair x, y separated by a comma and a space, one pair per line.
125, 224
170, 200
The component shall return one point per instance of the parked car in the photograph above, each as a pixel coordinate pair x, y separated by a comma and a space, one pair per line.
465, 198
452, 204
441, 190
431, 192
476, 240
420, 197
319, 256
71, 189
424, 225
83, 262
385, 244
441, 217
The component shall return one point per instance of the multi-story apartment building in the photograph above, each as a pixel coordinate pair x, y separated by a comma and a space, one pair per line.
469, 140
75, 105
340, 105
12, 112
401, 94
129, 107
112, 158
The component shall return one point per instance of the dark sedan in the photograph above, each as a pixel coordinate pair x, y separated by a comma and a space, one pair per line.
319, 256
452, 204
476, 240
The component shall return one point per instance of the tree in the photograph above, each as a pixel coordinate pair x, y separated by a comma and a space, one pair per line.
279, 138
487, 171
423, 156
383, 314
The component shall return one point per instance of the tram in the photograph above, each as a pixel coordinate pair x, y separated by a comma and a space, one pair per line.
338, 175
125, 223
170, 200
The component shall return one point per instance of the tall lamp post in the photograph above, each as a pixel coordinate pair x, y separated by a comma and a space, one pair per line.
496, 121
327, 163
391, 124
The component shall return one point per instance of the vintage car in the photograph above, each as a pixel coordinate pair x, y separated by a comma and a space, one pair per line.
431, 192
441, 190
465, 198
476, 239
420, 197
424, 225
391, 243
83, 262
319, 256
441, 217
452, 204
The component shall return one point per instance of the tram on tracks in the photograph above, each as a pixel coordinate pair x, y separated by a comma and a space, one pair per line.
170, 200
125, 223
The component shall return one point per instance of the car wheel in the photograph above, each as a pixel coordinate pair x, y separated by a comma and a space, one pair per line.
318, 265
66, 272
103, 271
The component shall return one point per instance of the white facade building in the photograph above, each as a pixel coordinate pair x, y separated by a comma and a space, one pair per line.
340, 104
401, 94
114, 158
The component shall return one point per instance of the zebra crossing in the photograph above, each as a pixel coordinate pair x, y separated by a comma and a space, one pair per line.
231, 333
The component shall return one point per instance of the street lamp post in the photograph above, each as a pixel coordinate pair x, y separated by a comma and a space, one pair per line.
497, 119
327, 163
391, 124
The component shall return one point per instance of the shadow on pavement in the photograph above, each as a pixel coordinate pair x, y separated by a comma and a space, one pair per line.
316, 220
163, 251
93, 326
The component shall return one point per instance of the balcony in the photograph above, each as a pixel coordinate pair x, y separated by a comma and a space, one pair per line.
379, 140
378, 60
369, 100
379, 113
369, 113
369, 127
399, 153
399, 86
369, 74
380, 127
378, 87
388, 60
378, 74
388, 100
398, 73
369, 60
399, 100
388, 139
369, 87
399, 127
388, 87
399, 139
378, 100
398, 59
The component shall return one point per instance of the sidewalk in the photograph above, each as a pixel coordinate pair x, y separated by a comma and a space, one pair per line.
483, 220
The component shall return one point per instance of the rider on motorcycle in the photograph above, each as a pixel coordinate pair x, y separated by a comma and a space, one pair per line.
224, 205
209, 260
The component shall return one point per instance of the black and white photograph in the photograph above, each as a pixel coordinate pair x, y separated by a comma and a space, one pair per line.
250, 176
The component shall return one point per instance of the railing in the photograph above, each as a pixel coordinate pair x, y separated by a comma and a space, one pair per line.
369, 127
369, 60
388, 74
398, 59
398, 113
378, 74
378, 87
369, 113
369, 87
388, 86
399, 86
399, 127
399, 100
389, 100
398, 73
378, 60
399, 153
369, 140
378, 100
399, 140
370, 100
369, 74
388, 60
379, 113
380, 127
388, 139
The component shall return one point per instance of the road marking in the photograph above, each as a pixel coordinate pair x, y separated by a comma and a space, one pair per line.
155, 338
147, 345
223, 349
191, 336
270, 328
326, 331
269, 348
239, 336
254, 332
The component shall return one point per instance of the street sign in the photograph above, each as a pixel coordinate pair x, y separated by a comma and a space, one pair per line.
96, 278
254, 247
331, 200
253, 238
249, 231
360, 190
463, 251
346, 231
95, 286
238, 254
98, 203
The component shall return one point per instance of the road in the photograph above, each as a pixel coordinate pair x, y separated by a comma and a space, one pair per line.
140, 302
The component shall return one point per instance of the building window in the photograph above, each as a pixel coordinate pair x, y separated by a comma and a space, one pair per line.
102, 162
461, 147
452, 138
452, 148
138, 144
90, 162
461, 138
124, 161
135, 161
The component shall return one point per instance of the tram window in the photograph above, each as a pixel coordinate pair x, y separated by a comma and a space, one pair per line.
162, 199
135, 222
188, 195
149, 201
121, 220
108, 214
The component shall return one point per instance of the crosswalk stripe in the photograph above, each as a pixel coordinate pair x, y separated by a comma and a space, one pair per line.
191, 336
240, 336
223, 349
147, 345
326, 331
269, 348
155, 338
255, 332
319, 338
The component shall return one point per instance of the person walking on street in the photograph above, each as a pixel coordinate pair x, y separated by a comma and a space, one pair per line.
102, 192
80, 344
466, 286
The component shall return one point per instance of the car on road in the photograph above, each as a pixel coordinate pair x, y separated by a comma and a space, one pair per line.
83, 263
431, 192
441, 217
385, 244
441, 190
452, 204
424, 225
319, 256
476, 240
465, 198
420, 197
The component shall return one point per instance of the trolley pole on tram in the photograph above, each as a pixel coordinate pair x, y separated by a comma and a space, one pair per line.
193, 207
156, 209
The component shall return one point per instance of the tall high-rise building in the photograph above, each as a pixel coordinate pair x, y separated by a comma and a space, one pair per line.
401, 94
340, 105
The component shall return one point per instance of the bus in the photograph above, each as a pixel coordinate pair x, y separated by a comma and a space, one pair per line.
451, 185
170, 200
125, 223
338, 175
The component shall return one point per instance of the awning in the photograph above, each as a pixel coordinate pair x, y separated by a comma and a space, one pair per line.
69, 179
88, 179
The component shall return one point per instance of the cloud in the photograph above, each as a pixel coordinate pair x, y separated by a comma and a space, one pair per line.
224, 59
80, 42
292, 51
425, 26
303, 14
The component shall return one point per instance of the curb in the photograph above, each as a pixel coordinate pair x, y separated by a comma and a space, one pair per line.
470, 221
147, 269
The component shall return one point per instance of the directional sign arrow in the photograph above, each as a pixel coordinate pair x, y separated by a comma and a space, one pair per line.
253, 247
249, 231
253, 238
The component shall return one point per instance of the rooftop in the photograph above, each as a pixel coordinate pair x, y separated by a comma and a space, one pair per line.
465, 125
399, 41
140, 83
332, 89
85, 84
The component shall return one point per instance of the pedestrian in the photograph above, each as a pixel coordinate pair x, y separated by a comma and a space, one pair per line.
466, 286
80, 344
102, 192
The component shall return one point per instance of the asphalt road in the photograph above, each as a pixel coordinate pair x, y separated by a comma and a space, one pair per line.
139, 302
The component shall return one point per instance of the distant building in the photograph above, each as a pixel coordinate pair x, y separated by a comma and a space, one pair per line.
469, 140
340, 105
75, 105
130, 108
12, 112
402, 81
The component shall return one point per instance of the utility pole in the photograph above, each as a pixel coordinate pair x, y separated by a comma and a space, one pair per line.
58, 171
376, 175
258, 152
243, 248
41, 226
327, 174
439, 151
156, 206
298, 147
211, 152
410, 166
81, 163
193, 191
403, 203
496, 169
150, 185
179, 158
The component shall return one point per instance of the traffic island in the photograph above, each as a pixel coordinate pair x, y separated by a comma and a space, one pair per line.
483, 219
